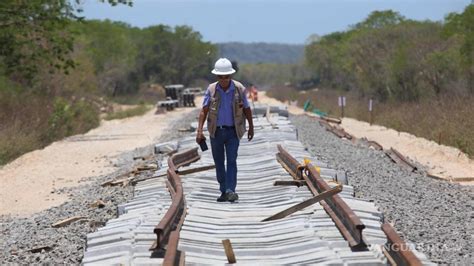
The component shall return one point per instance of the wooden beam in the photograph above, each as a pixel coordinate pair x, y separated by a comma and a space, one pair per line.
97, 204
67, 221
184, 172
229, 252
304, 204
391, 261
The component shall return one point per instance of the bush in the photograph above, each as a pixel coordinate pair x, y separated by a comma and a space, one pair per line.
139, 110
446, 119
71, 118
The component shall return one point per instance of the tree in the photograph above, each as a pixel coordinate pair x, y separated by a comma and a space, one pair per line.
174, 55
380, 19
34, 35
462, 26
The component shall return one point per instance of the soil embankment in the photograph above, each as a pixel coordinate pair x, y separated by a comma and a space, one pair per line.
30, 183
446, 162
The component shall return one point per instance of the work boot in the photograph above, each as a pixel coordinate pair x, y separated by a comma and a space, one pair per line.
222, 197
232, 196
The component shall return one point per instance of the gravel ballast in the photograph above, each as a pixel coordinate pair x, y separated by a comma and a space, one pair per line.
33, 240
437, 216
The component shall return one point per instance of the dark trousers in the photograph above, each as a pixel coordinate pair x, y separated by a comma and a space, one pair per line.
225, 145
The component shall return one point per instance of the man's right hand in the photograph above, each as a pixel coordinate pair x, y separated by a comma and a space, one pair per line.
199, 137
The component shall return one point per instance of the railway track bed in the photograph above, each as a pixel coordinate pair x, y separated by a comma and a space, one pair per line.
308, 236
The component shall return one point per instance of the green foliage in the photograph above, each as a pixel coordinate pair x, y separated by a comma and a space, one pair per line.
173, 55
380, 19
254, 53
265, 75
113, 48
462, 26
390, 58
34, 35
56, 68
68, 118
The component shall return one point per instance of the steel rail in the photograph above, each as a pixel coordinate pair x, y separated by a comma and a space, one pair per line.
340, 132
398, 158
375, 144
348, 223
331, 119
167, 230
397, 249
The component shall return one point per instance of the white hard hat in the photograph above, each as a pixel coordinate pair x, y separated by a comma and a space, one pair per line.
223, 67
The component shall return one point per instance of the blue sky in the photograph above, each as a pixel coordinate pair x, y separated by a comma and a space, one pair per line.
276, 21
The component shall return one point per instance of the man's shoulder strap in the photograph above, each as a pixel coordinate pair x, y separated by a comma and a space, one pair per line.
239, 86
212, 88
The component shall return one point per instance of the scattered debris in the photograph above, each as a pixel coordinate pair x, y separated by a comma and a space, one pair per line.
166, 148
304, 204
67, 221
95, 224
229, 252
151, 166
39, 249
97, 204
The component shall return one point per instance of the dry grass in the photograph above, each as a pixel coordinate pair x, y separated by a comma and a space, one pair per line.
29, 122
134, 111
448, 120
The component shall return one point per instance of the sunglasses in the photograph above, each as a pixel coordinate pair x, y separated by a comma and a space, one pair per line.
223, 77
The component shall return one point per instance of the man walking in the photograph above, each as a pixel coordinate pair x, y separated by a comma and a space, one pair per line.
226, 108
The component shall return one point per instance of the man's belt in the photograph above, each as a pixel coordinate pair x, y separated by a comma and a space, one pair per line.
222, 127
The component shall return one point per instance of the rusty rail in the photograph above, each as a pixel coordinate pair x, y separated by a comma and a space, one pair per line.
398, 158
375, 144
331, 119
397, 249
348, 223
340, 132
167, 230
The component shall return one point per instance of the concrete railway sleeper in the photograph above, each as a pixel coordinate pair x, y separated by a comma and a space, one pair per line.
192, 226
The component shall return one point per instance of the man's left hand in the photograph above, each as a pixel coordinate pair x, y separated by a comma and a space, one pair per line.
250, 133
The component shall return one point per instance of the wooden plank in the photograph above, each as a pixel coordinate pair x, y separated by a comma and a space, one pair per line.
114, 181
304, 204
97, 204
229, 252
67, 221
331, 119
184, 172
150, 166
39, 249
391, 261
